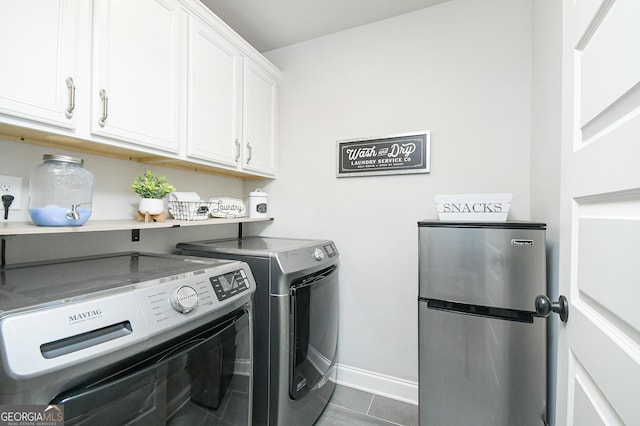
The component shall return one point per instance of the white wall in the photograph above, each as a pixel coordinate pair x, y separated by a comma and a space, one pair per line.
546, 106
113, 198
462, 70
545, 154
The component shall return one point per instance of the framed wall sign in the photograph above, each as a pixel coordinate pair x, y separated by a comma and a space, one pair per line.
389, 155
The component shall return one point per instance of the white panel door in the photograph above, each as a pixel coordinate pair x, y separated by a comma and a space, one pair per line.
38, 50
599, 348
136, 72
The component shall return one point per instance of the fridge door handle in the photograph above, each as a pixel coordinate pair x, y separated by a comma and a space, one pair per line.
544, 307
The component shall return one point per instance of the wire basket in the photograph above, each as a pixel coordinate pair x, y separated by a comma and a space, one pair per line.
189, 210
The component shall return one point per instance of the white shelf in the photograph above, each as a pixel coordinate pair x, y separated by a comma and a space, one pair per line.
28, 228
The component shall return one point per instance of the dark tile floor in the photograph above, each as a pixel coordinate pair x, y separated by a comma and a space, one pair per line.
352, 407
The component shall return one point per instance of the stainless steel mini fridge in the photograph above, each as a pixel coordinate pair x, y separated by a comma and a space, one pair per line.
482, 358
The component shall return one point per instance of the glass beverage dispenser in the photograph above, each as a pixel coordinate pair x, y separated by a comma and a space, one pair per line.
61, 192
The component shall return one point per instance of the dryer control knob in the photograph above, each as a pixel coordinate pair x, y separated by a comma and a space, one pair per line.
185, 299
318, 254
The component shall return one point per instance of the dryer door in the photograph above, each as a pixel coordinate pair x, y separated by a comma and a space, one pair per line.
314, 330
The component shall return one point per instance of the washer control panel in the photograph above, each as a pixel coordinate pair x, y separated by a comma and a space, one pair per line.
312, 255
325, 251
173, 300
228, 285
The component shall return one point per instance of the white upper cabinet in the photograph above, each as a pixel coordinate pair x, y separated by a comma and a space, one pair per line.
156, 80
135, 91
38, 47
259, 120
231, 103
213, 96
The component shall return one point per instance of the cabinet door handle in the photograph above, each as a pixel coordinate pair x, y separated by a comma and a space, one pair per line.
72, 98
237, 150
105, 107
250, 151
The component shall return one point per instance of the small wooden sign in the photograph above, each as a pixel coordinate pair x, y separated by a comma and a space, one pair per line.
390, 155
227, 207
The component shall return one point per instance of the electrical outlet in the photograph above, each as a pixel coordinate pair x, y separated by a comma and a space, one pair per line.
11, 185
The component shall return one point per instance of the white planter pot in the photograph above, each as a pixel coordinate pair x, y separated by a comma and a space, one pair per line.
151, 206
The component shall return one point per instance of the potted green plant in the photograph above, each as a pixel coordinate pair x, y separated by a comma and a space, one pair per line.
152, 189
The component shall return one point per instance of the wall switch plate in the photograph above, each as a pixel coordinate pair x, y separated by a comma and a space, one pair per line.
11, 185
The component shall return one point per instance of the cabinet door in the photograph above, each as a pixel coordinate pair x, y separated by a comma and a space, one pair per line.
259, 125
213, 96
38, 51
136, 66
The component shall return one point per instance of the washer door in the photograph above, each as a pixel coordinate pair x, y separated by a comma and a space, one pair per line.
314, 330
188, 381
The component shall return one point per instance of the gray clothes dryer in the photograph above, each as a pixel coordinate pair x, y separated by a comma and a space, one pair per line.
296, 322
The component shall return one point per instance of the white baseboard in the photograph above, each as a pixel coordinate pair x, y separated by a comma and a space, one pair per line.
379, 384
